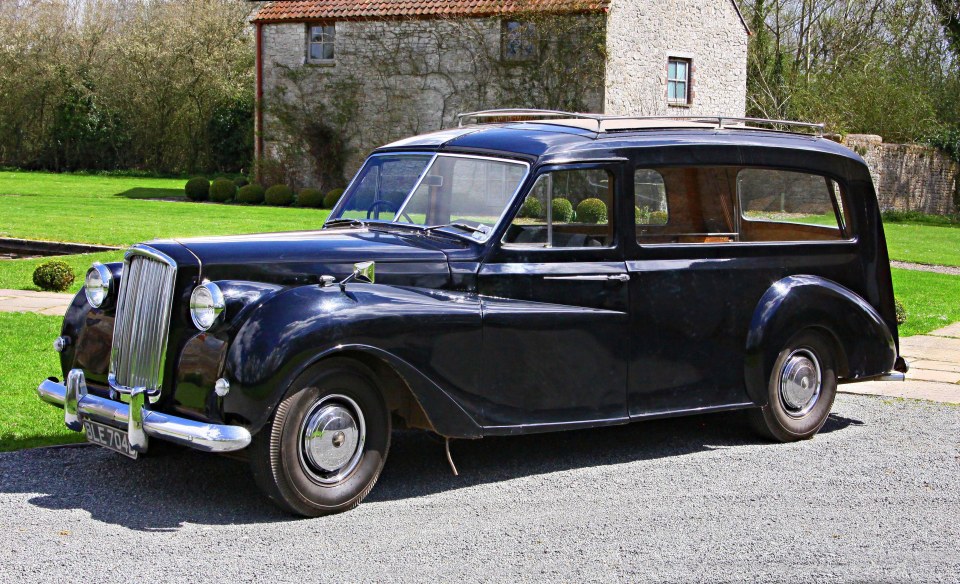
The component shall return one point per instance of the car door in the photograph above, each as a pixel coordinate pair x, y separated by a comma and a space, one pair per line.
699, 265
554, 296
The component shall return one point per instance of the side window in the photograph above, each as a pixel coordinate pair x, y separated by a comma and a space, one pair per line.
566, 208
780, 205
685, 205
650, 198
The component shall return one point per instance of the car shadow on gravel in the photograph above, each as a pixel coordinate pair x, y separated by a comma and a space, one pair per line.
162, 493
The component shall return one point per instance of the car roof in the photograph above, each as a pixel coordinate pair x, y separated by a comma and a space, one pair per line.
575, 138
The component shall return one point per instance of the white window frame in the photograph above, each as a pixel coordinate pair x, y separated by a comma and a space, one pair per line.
686, 80
328, 36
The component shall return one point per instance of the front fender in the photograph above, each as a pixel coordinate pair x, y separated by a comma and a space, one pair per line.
866, 347
432, 338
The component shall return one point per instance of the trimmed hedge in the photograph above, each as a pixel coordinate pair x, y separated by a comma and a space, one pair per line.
562, 210
53, 276
222, 190
241, 182
592, 211
331, 198
531, 209
251, 194
197, 189
279, 196
310, 198
901, 312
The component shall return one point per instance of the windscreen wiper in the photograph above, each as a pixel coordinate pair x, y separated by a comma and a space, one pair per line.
461, 226
340, 222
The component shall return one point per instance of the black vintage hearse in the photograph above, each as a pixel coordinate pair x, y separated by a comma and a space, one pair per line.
539, 272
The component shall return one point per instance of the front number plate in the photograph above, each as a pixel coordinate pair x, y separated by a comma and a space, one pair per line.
109, 437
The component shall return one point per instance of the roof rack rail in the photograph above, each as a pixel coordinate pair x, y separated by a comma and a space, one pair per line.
524, 113
719, 122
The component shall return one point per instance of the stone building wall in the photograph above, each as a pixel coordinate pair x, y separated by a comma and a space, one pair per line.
395, 79
909, 177
641, 36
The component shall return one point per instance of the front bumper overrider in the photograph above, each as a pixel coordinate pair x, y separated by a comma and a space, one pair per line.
139, 421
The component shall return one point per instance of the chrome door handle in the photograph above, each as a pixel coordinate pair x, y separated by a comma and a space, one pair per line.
593, 277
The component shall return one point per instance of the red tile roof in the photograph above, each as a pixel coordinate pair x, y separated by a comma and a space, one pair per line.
389, 9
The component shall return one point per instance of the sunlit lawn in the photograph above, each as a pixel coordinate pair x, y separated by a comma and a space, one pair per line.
125, 210
27, 355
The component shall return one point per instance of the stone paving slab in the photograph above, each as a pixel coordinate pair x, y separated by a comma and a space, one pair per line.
48, 303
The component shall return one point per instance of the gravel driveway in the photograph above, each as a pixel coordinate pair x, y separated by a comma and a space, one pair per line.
874, 498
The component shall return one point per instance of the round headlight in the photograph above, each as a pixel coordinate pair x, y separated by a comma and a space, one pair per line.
206, 304
97, 284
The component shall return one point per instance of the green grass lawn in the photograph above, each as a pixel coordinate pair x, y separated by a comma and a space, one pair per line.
18, 274
125, 210
932, 300
923, 243
28, 357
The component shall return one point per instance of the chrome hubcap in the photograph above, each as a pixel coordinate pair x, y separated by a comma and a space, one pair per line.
331, 438
800, 383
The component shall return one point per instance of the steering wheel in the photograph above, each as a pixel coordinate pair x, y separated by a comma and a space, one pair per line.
391, 206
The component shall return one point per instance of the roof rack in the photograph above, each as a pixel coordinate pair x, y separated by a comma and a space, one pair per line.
602, 123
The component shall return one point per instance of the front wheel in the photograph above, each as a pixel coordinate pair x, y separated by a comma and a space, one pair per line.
325, 446
801, 390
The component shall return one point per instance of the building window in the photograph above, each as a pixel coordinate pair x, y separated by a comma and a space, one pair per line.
678, 81
320, 41
519, 41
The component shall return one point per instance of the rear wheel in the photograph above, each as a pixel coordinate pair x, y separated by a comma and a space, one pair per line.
801, 389
327, 442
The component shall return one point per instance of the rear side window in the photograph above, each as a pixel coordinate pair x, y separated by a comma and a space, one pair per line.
727, 204
786, 197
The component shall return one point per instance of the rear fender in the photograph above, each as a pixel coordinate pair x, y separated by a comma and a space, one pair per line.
864, 344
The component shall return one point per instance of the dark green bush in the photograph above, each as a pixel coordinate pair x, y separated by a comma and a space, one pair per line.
279, 196
330, 200
54, 276
901, 312
562, 210
241, 182
222, 190
197, 188
592, 211
658, 218
251, 194
531, 209
310, 198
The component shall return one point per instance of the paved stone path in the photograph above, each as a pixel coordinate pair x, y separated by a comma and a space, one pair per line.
934, 358
49, 303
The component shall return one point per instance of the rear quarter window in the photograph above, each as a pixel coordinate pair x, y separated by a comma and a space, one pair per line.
781, 205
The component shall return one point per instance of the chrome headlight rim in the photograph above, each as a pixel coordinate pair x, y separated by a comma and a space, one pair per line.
206, 305
97, 295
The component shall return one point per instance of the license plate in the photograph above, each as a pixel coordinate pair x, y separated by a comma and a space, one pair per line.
109, 437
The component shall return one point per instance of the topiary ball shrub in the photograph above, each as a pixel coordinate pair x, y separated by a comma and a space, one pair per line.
53, 276
562, 210
592, 211
222, 190
241, 182
901, 312
197, 188
331, 198
658, 218
310, 198
251, 194
531, 209
279, 196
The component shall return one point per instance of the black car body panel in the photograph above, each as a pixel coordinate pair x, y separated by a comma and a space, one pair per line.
493, 340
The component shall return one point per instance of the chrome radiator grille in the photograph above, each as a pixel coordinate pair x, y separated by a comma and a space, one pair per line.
142, 321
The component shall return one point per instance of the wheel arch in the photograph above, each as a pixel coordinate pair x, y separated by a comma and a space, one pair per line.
863, 344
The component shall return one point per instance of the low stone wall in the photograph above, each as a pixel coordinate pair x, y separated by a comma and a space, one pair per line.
910, 177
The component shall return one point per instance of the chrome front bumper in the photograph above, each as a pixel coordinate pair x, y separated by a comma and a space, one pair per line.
139, 421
